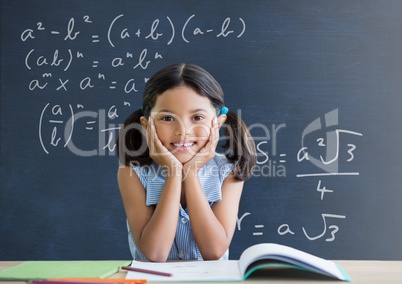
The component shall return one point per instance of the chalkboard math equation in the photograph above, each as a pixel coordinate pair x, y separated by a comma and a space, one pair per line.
57, 124
119, 34
326, 136
188, 29
124, 35
331, 143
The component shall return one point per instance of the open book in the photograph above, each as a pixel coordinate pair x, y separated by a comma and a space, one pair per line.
255, 257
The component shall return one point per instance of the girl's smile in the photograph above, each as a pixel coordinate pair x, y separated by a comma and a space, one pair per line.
184, 145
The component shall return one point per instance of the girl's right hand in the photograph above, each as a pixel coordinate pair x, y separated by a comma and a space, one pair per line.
159, 153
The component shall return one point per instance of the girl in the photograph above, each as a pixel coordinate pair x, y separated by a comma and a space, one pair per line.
181, 198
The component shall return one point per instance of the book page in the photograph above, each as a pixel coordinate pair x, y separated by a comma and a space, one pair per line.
219, 270
288, 255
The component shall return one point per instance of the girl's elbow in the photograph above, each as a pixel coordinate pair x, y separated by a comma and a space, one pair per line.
155, 254
212, 257
156, 257
215, 254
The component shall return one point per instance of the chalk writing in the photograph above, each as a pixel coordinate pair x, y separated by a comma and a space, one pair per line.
154, 32
239, 220
54, 70
57, 113
334, 228
58, 124
285, 229
258, 233
268, 164
322, 190
330, 165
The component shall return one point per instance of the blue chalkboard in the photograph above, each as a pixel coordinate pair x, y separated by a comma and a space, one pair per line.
318, 82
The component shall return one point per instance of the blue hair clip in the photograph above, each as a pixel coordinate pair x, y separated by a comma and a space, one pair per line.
224, 110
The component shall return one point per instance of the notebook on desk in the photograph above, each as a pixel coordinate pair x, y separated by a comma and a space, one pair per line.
29, 270
252, 259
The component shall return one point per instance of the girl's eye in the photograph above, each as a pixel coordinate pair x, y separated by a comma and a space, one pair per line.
198, 117
168, 118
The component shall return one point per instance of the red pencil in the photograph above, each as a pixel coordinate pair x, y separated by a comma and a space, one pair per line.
130, 268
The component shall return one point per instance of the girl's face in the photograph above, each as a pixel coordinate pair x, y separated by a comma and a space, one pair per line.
183, 121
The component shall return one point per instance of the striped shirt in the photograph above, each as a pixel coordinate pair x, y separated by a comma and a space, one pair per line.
211, 177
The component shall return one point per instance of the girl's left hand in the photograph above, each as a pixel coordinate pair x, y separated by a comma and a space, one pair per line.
206, 153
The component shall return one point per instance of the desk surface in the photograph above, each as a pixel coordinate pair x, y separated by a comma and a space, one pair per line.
383, 272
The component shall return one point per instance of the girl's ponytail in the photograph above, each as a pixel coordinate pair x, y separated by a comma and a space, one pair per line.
240, 146
131, 145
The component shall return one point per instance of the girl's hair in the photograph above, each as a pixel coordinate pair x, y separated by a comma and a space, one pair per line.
132, 144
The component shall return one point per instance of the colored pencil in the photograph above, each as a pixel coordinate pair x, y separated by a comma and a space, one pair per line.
141, 270
103, 280
88, 281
